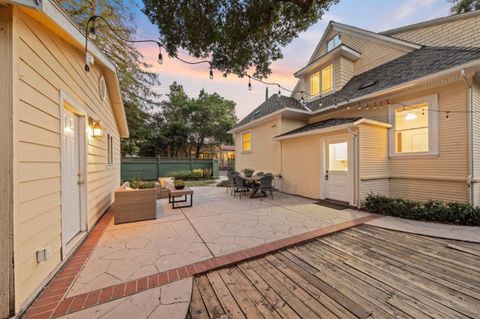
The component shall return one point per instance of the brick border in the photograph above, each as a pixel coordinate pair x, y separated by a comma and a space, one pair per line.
52, 295
52, 304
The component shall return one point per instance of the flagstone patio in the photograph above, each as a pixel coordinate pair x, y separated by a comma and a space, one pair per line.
124, 259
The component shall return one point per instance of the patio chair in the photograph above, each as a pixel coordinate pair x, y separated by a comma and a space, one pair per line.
239, 185
265, 185
260, 174
231, 181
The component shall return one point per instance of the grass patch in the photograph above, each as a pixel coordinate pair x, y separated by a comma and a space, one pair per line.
199, 183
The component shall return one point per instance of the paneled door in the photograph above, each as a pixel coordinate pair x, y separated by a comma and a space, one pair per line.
337, 170
71, 220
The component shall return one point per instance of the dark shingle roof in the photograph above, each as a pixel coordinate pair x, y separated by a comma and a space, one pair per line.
272, 104
321, 124
411, 66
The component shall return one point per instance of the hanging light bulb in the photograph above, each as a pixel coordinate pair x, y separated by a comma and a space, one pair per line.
348, 107
249, 84
92, 34
448, 114
279, 92
160, 58
423, 111
375, 106
302, 99
211, 73
359, 106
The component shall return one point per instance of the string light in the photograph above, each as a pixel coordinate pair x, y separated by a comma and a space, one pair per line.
448, 114
302, 99
249, 83
211, 73
279, 92
160, 58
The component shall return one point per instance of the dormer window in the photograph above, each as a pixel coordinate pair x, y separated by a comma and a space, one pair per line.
321, 81
334, 42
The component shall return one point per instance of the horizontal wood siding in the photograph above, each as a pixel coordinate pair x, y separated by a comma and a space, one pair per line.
373, 53
301, 166
462, 32
265, 152
373, 160
45, 66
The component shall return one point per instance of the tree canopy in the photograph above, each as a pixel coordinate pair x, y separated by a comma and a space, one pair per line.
236, 35
462, 6
184, 125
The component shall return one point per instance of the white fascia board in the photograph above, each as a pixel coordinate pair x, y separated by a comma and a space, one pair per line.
266, 118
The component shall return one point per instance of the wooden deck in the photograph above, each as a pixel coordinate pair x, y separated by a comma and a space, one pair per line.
364, 272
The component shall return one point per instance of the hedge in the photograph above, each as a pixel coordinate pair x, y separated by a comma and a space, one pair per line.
432, 211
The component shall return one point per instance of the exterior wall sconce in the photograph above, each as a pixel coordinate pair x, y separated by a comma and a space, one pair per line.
94, 128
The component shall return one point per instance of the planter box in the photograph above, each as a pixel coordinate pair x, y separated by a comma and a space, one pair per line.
132, 205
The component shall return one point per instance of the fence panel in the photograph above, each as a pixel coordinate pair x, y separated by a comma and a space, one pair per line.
151, 168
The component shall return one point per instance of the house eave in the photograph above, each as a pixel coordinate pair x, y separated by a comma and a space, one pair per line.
334, 128
60, 23
341, 50
284, 111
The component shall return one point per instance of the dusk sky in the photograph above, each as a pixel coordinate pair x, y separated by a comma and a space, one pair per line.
374, 15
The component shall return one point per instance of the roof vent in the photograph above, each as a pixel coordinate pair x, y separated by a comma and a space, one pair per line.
368, 84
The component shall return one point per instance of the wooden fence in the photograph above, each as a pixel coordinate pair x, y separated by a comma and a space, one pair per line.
151, 168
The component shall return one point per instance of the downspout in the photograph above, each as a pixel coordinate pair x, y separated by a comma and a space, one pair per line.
470, 136
356, 164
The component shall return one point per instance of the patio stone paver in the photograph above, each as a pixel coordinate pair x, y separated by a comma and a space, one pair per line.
170, 301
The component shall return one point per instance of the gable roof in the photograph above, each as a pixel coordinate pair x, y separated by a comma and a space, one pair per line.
272, 104
329, 125
417, 64
60, 23
388, 40
432, 22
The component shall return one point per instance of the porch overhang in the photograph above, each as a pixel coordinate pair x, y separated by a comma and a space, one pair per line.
323, 130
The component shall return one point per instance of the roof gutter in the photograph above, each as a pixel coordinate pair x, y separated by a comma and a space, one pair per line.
471, 172
265, 118
399, 87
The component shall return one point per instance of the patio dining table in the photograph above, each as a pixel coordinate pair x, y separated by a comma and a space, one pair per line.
252, 180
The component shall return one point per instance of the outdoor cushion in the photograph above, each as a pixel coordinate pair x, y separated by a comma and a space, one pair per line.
166, 182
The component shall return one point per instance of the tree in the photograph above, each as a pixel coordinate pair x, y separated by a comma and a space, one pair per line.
236, 35
462, 6
211, 117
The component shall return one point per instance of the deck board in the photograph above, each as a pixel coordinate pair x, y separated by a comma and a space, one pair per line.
363, 272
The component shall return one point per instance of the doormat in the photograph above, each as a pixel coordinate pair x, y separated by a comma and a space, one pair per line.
333, 204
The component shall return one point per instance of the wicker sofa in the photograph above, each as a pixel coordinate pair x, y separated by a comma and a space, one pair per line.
133, 205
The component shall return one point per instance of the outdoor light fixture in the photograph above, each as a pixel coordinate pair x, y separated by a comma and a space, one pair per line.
410, 116
95, 129
92, 34
160, 58
211, 73
279, 92
302, 99
249, 84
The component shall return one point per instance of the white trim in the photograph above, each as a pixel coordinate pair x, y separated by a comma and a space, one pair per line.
341, 50
267, 117
82, 130
241, 138
324, 141
334, 128
432, 101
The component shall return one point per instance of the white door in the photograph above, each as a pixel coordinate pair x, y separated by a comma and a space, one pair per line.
337, 170
71, 176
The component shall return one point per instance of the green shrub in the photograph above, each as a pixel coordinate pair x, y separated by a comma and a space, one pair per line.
197, 173
180, 175
179, 183
433, 211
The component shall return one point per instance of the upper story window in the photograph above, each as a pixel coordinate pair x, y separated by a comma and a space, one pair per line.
322, 81
246, 141
334, 42
415, 129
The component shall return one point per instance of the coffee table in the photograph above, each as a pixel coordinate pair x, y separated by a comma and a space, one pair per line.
174, 193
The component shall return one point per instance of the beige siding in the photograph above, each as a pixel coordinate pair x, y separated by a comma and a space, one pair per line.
45, 66
374, 166
265, 152
476, 142
462, 32
301, 166
287, 125
344, 73
373, 53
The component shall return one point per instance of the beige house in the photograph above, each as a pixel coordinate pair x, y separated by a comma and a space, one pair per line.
394, 113
60, 145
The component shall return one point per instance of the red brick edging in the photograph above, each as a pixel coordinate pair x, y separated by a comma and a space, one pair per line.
51, 303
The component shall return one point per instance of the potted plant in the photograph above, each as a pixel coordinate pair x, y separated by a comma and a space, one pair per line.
179, 184
248, 172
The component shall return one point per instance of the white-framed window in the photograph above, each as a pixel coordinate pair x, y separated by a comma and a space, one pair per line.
321, 81
109, 150
246, 141
415, 127
334, 42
